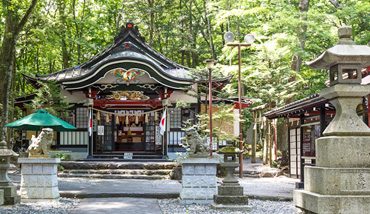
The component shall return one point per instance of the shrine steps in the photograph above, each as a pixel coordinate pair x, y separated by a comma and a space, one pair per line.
135, 157
117, 170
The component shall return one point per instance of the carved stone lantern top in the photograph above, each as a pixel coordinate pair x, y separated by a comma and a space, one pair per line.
345, 62
230, 152
345, 52
5, 152
346, 59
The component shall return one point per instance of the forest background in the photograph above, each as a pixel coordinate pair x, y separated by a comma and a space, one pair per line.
46, 36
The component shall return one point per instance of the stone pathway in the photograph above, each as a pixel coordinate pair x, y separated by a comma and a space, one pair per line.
117, 206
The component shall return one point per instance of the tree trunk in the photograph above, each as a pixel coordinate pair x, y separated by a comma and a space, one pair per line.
303, 9
7, 55
211, 46
270, 142
65, 55
238, 29
265, 144
79, 27
119, 17
151, 22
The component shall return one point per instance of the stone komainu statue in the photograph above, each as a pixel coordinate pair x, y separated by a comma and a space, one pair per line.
199, 147
40, 145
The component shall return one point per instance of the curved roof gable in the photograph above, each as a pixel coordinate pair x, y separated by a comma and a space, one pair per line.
128, 51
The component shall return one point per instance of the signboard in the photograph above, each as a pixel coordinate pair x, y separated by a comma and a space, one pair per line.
310, 134
128, 155
158, 136
100, 130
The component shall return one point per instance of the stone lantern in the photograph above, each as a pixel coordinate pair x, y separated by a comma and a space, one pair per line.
340, 181
8, 189
230, 193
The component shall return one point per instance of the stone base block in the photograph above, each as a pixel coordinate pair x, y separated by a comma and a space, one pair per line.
231, 207
308, 202
40, 193
338, 148
230, 190
231, 200
337, 181
39, 178
199, 181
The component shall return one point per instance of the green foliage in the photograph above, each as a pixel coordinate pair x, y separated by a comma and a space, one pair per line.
49, 98
62, 157
224, 115
66, 33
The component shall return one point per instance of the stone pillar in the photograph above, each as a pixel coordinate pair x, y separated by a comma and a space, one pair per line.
39, 178
340, 181
199, 181
8, 191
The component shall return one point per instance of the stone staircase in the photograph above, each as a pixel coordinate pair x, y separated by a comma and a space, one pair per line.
117, 170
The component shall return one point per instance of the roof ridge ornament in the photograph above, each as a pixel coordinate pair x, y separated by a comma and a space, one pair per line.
130, 27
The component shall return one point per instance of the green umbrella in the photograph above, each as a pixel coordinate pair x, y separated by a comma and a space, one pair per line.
41, 119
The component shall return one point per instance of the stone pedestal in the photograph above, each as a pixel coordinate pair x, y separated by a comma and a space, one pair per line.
230, 194
199, 181
39, 178
340, 183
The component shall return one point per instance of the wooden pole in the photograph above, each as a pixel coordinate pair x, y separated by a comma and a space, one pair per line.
240, 107
240, 116
270, 144
265, 143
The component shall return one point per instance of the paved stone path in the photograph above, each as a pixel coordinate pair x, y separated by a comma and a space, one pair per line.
117, 206
136, 196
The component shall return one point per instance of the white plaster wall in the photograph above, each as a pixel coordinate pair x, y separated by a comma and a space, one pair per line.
75, 97
180, 95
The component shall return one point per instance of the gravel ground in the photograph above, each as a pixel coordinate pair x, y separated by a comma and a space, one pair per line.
61, 206
172, 206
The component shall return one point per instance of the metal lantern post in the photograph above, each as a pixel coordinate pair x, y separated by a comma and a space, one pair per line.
210, 63
229, 37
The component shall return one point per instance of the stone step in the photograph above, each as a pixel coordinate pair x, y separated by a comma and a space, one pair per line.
117, 165
136, 156
118, 171
116, 176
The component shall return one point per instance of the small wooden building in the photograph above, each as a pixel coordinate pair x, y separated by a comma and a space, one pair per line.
306, 120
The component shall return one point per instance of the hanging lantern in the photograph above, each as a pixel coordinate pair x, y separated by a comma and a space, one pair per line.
136, 119
117, 119
98, 116
107, 118
155, 116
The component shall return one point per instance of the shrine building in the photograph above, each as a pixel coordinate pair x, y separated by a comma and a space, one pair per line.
126, 87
